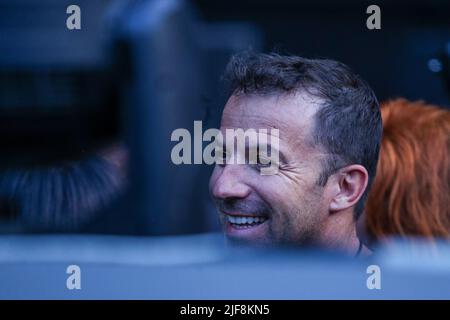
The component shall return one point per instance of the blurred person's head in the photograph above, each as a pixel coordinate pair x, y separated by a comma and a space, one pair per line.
63, 196
329, 133
411, 192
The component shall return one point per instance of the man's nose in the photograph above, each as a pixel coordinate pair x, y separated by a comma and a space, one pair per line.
229, 184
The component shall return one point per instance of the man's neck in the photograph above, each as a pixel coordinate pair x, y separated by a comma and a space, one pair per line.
339, 233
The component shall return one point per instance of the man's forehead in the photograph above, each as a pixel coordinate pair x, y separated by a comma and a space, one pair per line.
293, 113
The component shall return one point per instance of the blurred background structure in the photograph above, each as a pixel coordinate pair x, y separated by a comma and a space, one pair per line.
408, 57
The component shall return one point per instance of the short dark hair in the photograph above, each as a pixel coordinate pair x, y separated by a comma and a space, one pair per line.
348, 123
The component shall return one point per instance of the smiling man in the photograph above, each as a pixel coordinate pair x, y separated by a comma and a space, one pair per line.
329, 127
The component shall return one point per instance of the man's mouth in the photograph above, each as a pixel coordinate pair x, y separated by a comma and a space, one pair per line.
244, 222
246, 227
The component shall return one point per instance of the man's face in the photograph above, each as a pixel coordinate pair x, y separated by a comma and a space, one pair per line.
286, 207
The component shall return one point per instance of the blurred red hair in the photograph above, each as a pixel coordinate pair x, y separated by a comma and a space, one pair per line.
411, 192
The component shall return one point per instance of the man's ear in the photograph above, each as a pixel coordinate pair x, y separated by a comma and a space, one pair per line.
351, 183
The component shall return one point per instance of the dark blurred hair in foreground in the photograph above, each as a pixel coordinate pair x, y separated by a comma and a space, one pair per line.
61, 197
411, 192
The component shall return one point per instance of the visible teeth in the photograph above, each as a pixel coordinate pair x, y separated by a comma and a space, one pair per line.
245, 220
255, 220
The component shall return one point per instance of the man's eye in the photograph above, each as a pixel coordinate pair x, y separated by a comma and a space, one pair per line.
221, 156
263, 162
